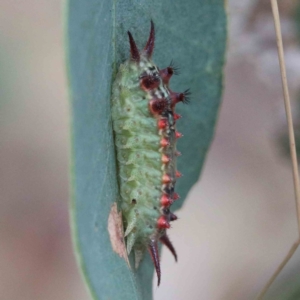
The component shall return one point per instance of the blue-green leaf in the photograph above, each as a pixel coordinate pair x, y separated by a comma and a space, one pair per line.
193, 34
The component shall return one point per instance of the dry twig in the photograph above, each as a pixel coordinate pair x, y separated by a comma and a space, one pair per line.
291, 142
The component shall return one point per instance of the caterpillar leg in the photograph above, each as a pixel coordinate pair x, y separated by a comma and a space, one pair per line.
153, 250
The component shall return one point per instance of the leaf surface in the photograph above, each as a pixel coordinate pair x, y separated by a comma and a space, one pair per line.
193, 34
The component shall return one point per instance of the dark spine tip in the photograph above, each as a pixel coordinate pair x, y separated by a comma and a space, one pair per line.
187, 95
173, 217
166, 74
180, 97
166, 241
174, 68
153, 250
135, 55
148, 50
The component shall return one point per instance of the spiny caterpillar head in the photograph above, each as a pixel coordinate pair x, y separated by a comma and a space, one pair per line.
161, 102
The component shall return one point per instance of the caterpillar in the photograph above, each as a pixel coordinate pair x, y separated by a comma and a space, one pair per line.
144, 123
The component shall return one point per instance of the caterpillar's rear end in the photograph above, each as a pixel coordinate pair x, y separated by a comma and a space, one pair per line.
144, 122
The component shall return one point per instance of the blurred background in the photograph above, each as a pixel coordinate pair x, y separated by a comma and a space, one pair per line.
238, 222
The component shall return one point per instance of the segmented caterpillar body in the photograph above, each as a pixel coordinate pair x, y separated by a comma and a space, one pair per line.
144, 123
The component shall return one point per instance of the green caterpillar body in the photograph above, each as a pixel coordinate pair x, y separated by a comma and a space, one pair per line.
145, 137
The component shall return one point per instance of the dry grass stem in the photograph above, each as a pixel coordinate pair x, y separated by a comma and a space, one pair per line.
291, 143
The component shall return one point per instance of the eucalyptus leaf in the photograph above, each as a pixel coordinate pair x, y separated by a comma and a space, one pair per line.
193, 34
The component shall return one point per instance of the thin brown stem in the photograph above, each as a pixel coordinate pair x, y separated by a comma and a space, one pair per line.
287, 109
291, 143
278, 270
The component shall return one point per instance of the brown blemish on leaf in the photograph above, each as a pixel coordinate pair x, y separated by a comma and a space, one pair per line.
116, 232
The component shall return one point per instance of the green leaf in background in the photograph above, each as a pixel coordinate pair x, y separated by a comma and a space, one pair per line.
193, 34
